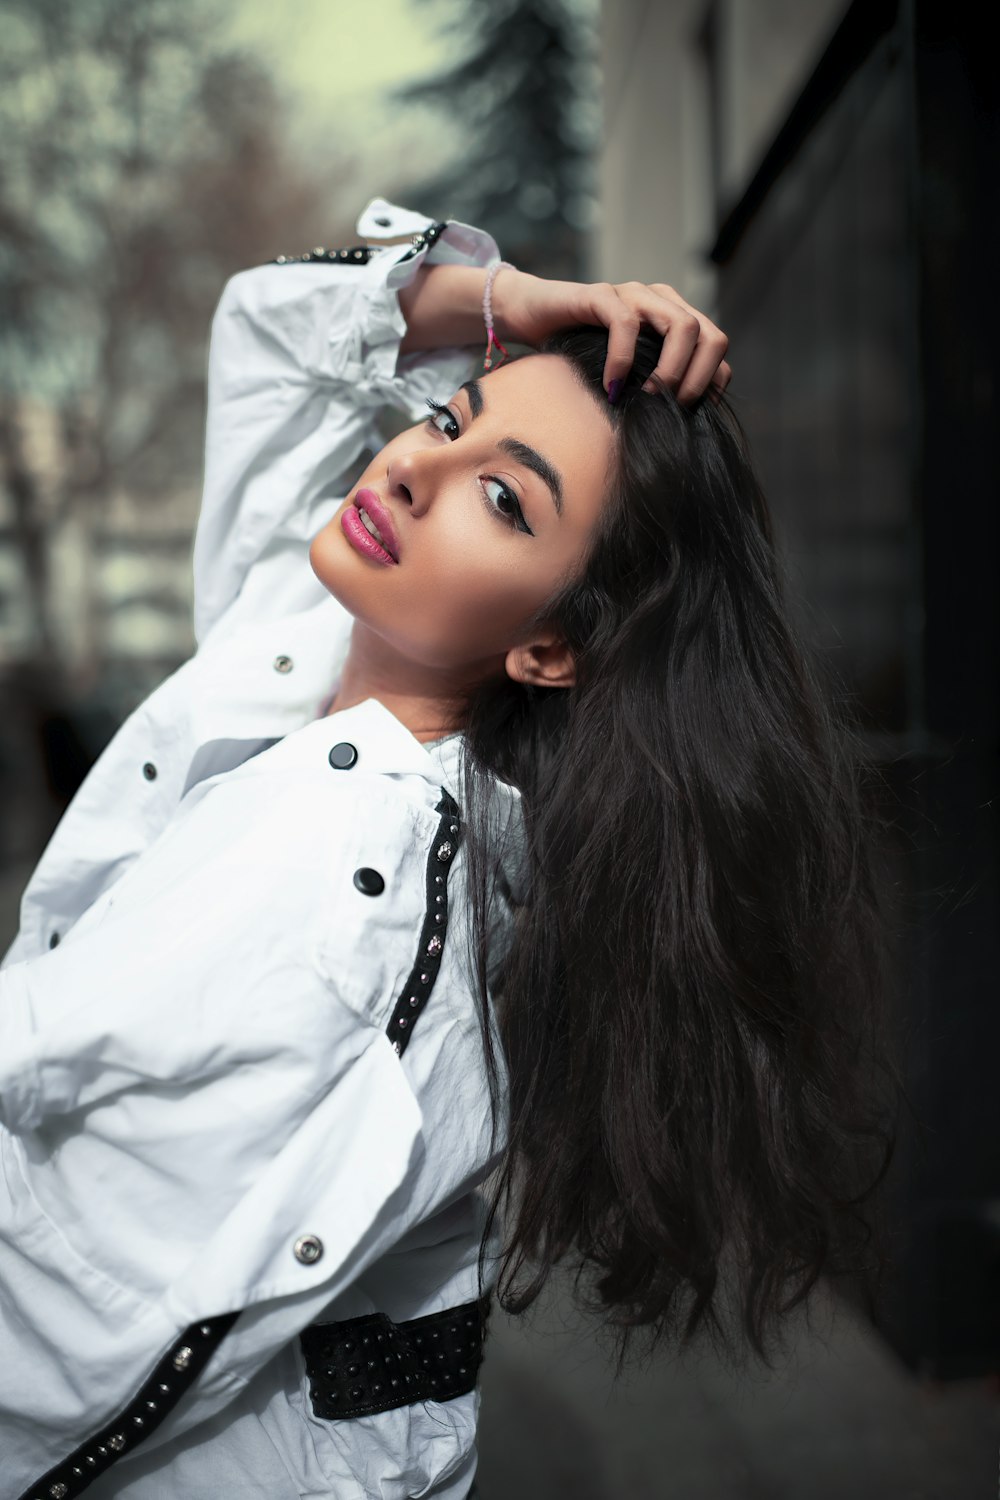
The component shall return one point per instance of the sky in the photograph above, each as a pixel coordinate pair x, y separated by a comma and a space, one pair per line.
336, 61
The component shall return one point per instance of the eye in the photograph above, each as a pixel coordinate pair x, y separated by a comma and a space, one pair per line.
442, 419
513, 516
504, 504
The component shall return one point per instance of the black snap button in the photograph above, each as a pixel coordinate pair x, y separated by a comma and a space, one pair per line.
369, 882
383, 222
54, 940
149, 771
343, 756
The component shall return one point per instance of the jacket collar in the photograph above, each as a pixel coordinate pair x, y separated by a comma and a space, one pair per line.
384, 745
270, 680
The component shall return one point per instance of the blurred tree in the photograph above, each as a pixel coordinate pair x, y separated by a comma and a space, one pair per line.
140, 166
524, 99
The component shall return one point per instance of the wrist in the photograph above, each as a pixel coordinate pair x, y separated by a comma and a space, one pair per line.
504, 299
442, 306
512, 294
496, 351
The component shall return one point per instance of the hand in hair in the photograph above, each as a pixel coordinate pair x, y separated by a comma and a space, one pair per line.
443, 305
528, 308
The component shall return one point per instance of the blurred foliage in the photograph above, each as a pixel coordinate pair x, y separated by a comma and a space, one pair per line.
140, 165
524, 96
142, 162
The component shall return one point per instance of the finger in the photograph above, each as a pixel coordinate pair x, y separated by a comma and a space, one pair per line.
717, 386
682, 328
623, 323
681, 332
672, 295
622, 309
705, 361
709, 332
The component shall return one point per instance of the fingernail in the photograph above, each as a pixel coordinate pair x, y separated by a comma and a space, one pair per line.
615, 390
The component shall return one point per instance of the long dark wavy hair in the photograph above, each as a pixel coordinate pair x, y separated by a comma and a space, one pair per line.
691, 1002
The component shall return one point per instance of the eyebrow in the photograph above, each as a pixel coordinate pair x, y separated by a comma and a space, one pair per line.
522, 453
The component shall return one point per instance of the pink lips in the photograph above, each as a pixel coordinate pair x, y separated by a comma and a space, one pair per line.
373, 506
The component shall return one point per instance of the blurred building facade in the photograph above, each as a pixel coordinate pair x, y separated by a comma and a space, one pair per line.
819, 176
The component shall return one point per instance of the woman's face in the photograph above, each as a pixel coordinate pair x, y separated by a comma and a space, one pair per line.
493, 502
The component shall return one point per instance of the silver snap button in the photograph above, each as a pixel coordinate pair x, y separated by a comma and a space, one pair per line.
308, 1248
283, 664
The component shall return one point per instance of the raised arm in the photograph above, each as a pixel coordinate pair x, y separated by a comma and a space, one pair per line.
303, 356
443, 305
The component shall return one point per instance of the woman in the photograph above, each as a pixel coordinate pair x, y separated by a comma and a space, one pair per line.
496, 830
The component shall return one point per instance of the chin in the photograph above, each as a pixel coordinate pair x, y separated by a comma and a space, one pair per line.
345, 575
316, 555
327, 554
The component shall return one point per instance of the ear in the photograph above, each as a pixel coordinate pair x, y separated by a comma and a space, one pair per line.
546, 661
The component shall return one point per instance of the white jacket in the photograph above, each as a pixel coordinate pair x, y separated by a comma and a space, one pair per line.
213, 1133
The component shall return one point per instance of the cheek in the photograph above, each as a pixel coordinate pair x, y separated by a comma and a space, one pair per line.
469, 606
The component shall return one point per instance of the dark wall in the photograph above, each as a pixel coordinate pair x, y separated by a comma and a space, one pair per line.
857, 282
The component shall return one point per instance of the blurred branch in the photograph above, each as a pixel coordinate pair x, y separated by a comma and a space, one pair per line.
28, 525
141, 164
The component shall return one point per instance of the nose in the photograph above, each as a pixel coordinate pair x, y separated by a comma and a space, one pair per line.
412, 477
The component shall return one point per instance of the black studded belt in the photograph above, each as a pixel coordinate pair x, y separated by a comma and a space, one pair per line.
370, 1364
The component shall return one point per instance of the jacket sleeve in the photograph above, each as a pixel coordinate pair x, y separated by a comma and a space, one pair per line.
304, 354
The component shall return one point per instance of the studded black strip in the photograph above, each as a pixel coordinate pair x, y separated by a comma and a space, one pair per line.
360, 255
370, 1364
425, 239
418, 986
155, 1399
355, 255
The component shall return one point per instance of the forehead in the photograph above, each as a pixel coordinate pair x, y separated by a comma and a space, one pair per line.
540, 400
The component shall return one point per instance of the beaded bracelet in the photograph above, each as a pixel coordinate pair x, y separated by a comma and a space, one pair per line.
491, 339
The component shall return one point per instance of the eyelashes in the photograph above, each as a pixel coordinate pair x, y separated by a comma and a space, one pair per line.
513, 518
437, 410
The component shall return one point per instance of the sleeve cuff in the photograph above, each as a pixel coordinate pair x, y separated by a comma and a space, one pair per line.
387, 378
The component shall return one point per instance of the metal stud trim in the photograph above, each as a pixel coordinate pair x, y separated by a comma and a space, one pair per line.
155, 1399
425, 239
370, 1364
420, 981
359, 255
354, 255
